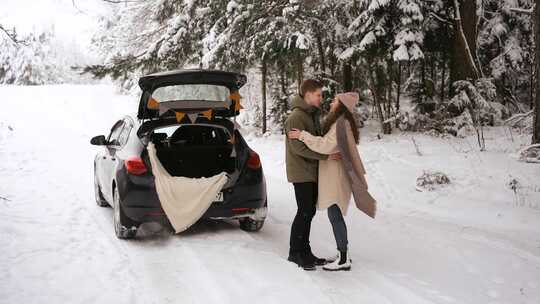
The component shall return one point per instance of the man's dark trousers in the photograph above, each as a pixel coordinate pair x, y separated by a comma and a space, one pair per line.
306, 198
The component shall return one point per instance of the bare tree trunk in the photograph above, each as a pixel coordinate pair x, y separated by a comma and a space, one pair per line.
443, 76
423, 82
378, 98
464, 42
283, 79
388, 89
284, 85
320, 48
332, 64
433, 70
398, 86
299, 70
263, 92
536, 127
347, 76
532, 85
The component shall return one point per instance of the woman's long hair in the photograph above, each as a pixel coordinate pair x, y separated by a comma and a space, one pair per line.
333, 116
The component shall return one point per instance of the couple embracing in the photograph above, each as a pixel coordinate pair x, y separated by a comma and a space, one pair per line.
325, 168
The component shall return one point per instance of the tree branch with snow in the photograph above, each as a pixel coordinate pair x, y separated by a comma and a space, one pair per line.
12, 35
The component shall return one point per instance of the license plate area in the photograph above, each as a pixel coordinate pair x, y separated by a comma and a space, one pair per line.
219, 197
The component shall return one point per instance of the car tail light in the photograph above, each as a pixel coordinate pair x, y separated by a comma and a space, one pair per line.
241, 210
135, 165
254, 162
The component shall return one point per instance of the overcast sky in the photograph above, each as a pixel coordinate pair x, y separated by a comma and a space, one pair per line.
70, 22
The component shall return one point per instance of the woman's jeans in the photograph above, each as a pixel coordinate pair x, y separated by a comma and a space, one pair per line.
339, 227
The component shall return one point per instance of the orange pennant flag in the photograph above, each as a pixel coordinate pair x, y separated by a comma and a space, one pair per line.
238, 106
179, 116
235, 97
207, 114
152, 104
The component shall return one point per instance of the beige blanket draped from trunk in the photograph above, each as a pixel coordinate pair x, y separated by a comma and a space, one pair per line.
184, 199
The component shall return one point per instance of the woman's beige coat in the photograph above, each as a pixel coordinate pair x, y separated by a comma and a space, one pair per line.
334, 186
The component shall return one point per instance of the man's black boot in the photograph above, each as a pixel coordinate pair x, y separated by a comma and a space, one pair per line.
317, 261
302, 260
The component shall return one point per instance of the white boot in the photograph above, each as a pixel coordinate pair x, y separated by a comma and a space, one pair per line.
336, 266
333, 259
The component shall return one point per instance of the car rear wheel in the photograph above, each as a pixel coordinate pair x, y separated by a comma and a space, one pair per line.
124, 227
100, 201
251, 225
254, 224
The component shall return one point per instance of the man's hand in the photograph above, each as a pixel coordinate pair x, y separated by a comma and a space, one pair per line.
335, 156
294, 134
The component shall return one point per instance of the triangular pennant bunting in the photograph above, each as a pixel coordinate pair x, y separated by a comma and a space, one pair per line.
180, 116
193, 117
235, 97
237, 106
207, 114
152, 104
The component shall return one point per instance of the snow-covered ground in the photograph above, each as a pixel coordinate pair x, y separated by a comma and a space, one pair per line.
473, 241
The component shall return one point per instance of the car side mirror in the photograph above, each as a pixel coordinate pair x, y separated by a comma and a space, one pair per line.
99, 140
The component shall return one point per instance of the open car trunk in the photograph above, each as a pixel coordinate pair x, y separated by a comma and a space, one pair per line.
194, 150
190, 91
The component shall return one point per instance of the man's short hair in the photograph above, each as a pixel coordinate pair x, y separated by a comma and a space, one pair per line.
309, 85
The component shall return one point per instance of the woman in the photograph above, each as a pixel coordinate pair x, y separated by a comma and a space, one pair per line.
338, 179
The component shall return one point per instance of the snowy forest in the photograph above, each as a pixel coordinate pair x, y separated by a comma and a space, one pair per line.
447, 138
39, 58
441, 66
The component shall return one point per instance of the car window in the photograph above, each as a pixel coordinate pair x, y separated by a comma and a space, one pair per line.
115, 133
202, 92
125, 133
166, 130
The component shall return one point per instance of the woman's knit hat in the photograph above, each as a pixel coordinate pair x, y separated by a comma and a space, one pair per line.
349, 99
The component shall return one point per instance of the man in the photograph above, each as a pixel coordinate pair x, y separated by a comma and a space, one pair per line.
302, 171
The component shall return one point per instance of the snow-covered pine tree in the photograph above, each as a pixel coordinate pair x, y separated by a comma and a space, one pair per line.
384, 32
148, 36
505, 48
41, 59
7, 58
437, 45
536, 126
389, 47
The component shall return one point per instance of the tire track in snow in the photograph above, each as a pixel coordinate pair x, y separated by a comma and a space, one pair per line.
499, 244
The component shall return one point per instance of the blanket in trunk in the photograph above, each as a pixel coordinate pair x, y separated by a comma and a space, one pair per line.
184, 199
352, 164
